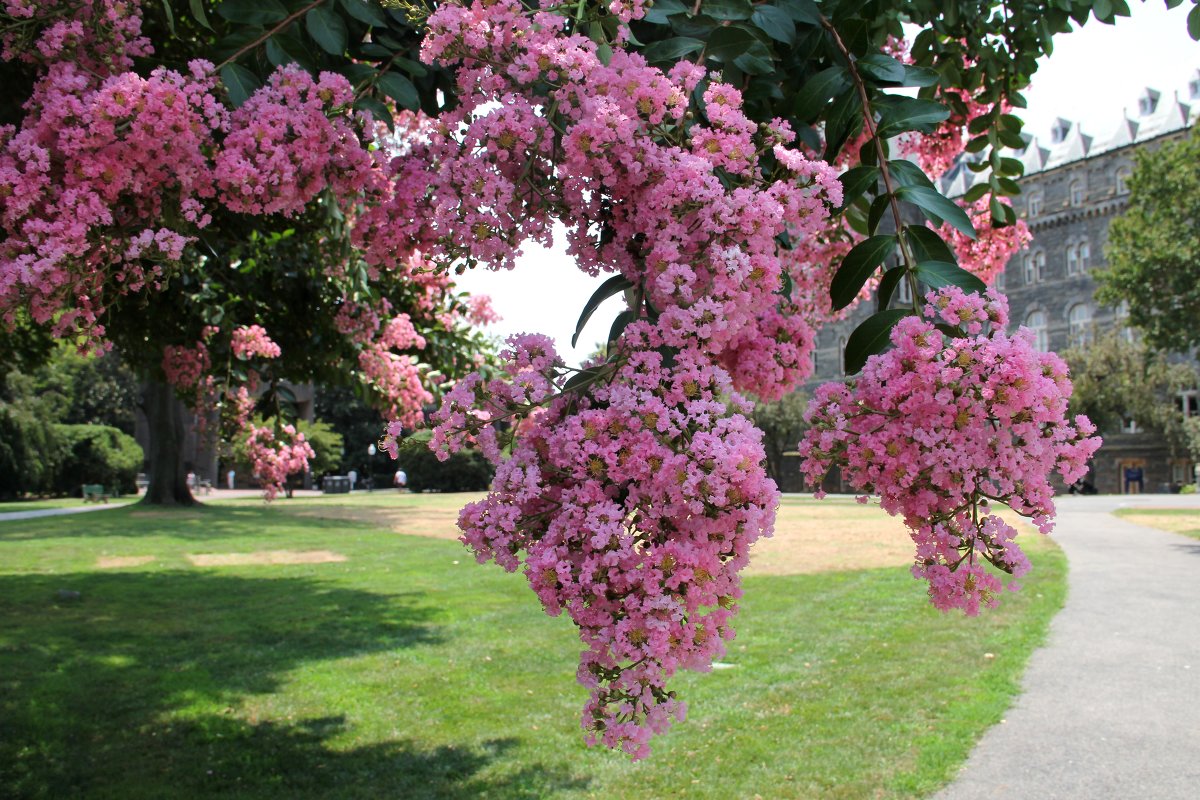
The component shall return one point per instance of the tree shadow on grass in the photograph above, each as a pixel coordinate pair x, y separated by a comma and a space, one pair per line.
130, 690
196, 523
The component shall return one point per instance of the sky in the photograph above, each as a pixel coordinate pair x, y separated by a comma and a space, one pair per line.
1093, 73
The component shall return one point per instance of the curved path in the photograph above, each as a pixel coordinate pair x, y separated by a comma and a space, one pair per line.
1110, 706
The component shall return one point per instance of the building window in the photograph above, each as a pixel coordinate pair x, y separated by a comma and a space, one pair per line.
1076, 193
1189, 403
1079, 323
841, 355
1129, 425
1033, 205
1036, 322
1072, 260
1123, 181
1085, 255
1039, 266
904, 291
998, 281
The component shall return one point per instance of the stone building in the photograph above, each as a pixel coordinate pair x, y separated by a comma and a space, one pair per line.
1074, 185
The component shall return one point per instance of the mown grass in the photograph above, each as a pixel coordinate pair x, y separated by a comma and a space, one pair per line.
1175, 520
57, 502
409, 671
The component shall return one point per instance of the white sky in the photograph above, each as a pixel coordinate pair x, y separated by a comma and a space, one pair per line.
1092, 75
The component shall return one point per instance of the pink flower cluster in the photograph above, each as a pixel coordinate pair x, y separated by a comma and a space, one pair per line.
992, 247
249, 341
634, 506
273, 458
184, 366
941, 428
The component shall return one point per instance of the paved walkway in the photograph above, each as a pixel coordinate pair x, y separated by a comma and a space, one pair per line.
1110, 706
218, 494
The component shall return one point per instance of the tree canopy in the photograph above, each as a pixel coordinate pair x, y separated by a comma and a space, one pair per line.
1154, 247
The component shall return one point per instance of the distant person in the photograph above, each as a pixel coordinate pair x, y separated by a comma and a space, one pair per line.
353, 476
229, 476
1134, 477
400, 481
191, 481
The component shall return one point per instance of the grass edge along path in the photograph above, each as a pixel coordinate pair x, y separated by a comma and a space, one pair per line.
1185, 521
407, 670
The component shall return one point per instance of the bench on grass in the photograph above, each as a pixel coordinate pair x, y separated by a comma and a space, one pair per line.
94, 493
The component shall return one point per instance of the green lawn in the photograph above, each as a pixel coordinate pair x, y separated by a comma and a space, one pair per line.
1175, 520
57, 502
408, 671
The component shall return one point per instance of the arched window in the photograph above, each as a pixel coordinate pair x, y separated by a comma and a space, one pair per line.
1033, 206
1036, 322
1076, 193
998, 281
1027, 269
1079, 325
1072, 260
1039, 266
1123, 180
1085, 255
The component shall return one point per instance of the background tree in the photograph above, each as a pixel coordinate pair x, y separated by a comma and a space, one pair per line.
1154, 247
782, 424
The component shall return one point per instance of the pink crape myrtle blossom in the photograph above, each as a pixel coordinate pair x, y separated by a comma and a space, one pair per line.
252, 340
631, 508
992, 248
273, 458
944, 428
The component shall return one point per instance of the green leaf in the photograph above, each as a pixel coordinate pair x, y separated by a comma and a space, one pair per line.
239, 82
728, 9
775, 22
927, 244
400, 89
1193, 23
276, 54
757, 60
817, 91
170, 16
882, 68
673, 49
888, 283
619, 325
910, 114
879, 207
198, 13
803, 11
858, 265
252, 12
663, 9
871, 337
327, 29
699, 26
844, 121
857, 180
906, 173
612, 286
365, 11
378, 110
936, 274
937, 207
585, 376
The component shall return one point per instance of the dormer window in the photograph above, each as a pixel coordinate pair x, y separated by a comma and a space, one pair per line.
1060, 130
1077, 193
1147, 103
1123, 181
1194, 89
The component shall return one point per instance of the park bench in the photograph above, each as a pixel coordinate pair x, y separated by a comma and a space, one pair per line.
94, 493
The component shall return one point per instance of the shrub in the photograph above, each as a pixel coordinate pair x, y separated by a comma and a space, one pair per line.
465, 471
98, 454
30, 451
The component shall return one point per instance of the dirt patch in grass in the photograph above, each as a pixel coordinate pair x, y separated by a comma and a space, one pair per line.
435, 523
1173, 520
264, 557
118, 562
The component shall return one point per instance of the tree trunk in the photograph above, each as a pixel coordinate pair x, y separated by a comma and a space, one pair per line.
165, 421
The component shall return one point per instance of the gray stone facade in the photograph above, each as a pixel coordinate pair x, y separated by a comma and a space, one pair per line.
1073, 187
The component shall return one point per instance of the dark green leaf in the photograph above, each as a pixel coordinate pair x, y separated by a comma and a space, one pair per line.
845, 120
856, 181
400, 89
619, 325
1193, 23
198, 13
887, 285
858, 265
585, 376
670, 50
976, 192
252, 12
881, 68
817, 91
239, 82
757, 60
612, 286
365, 11
803, 11
378, 110
937, 207
358, 74
927, 244
663, 9
910, 114
871, 337
728, 9
775, 22
327, 29
170, 16
699, 26
906, 173
936, 274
